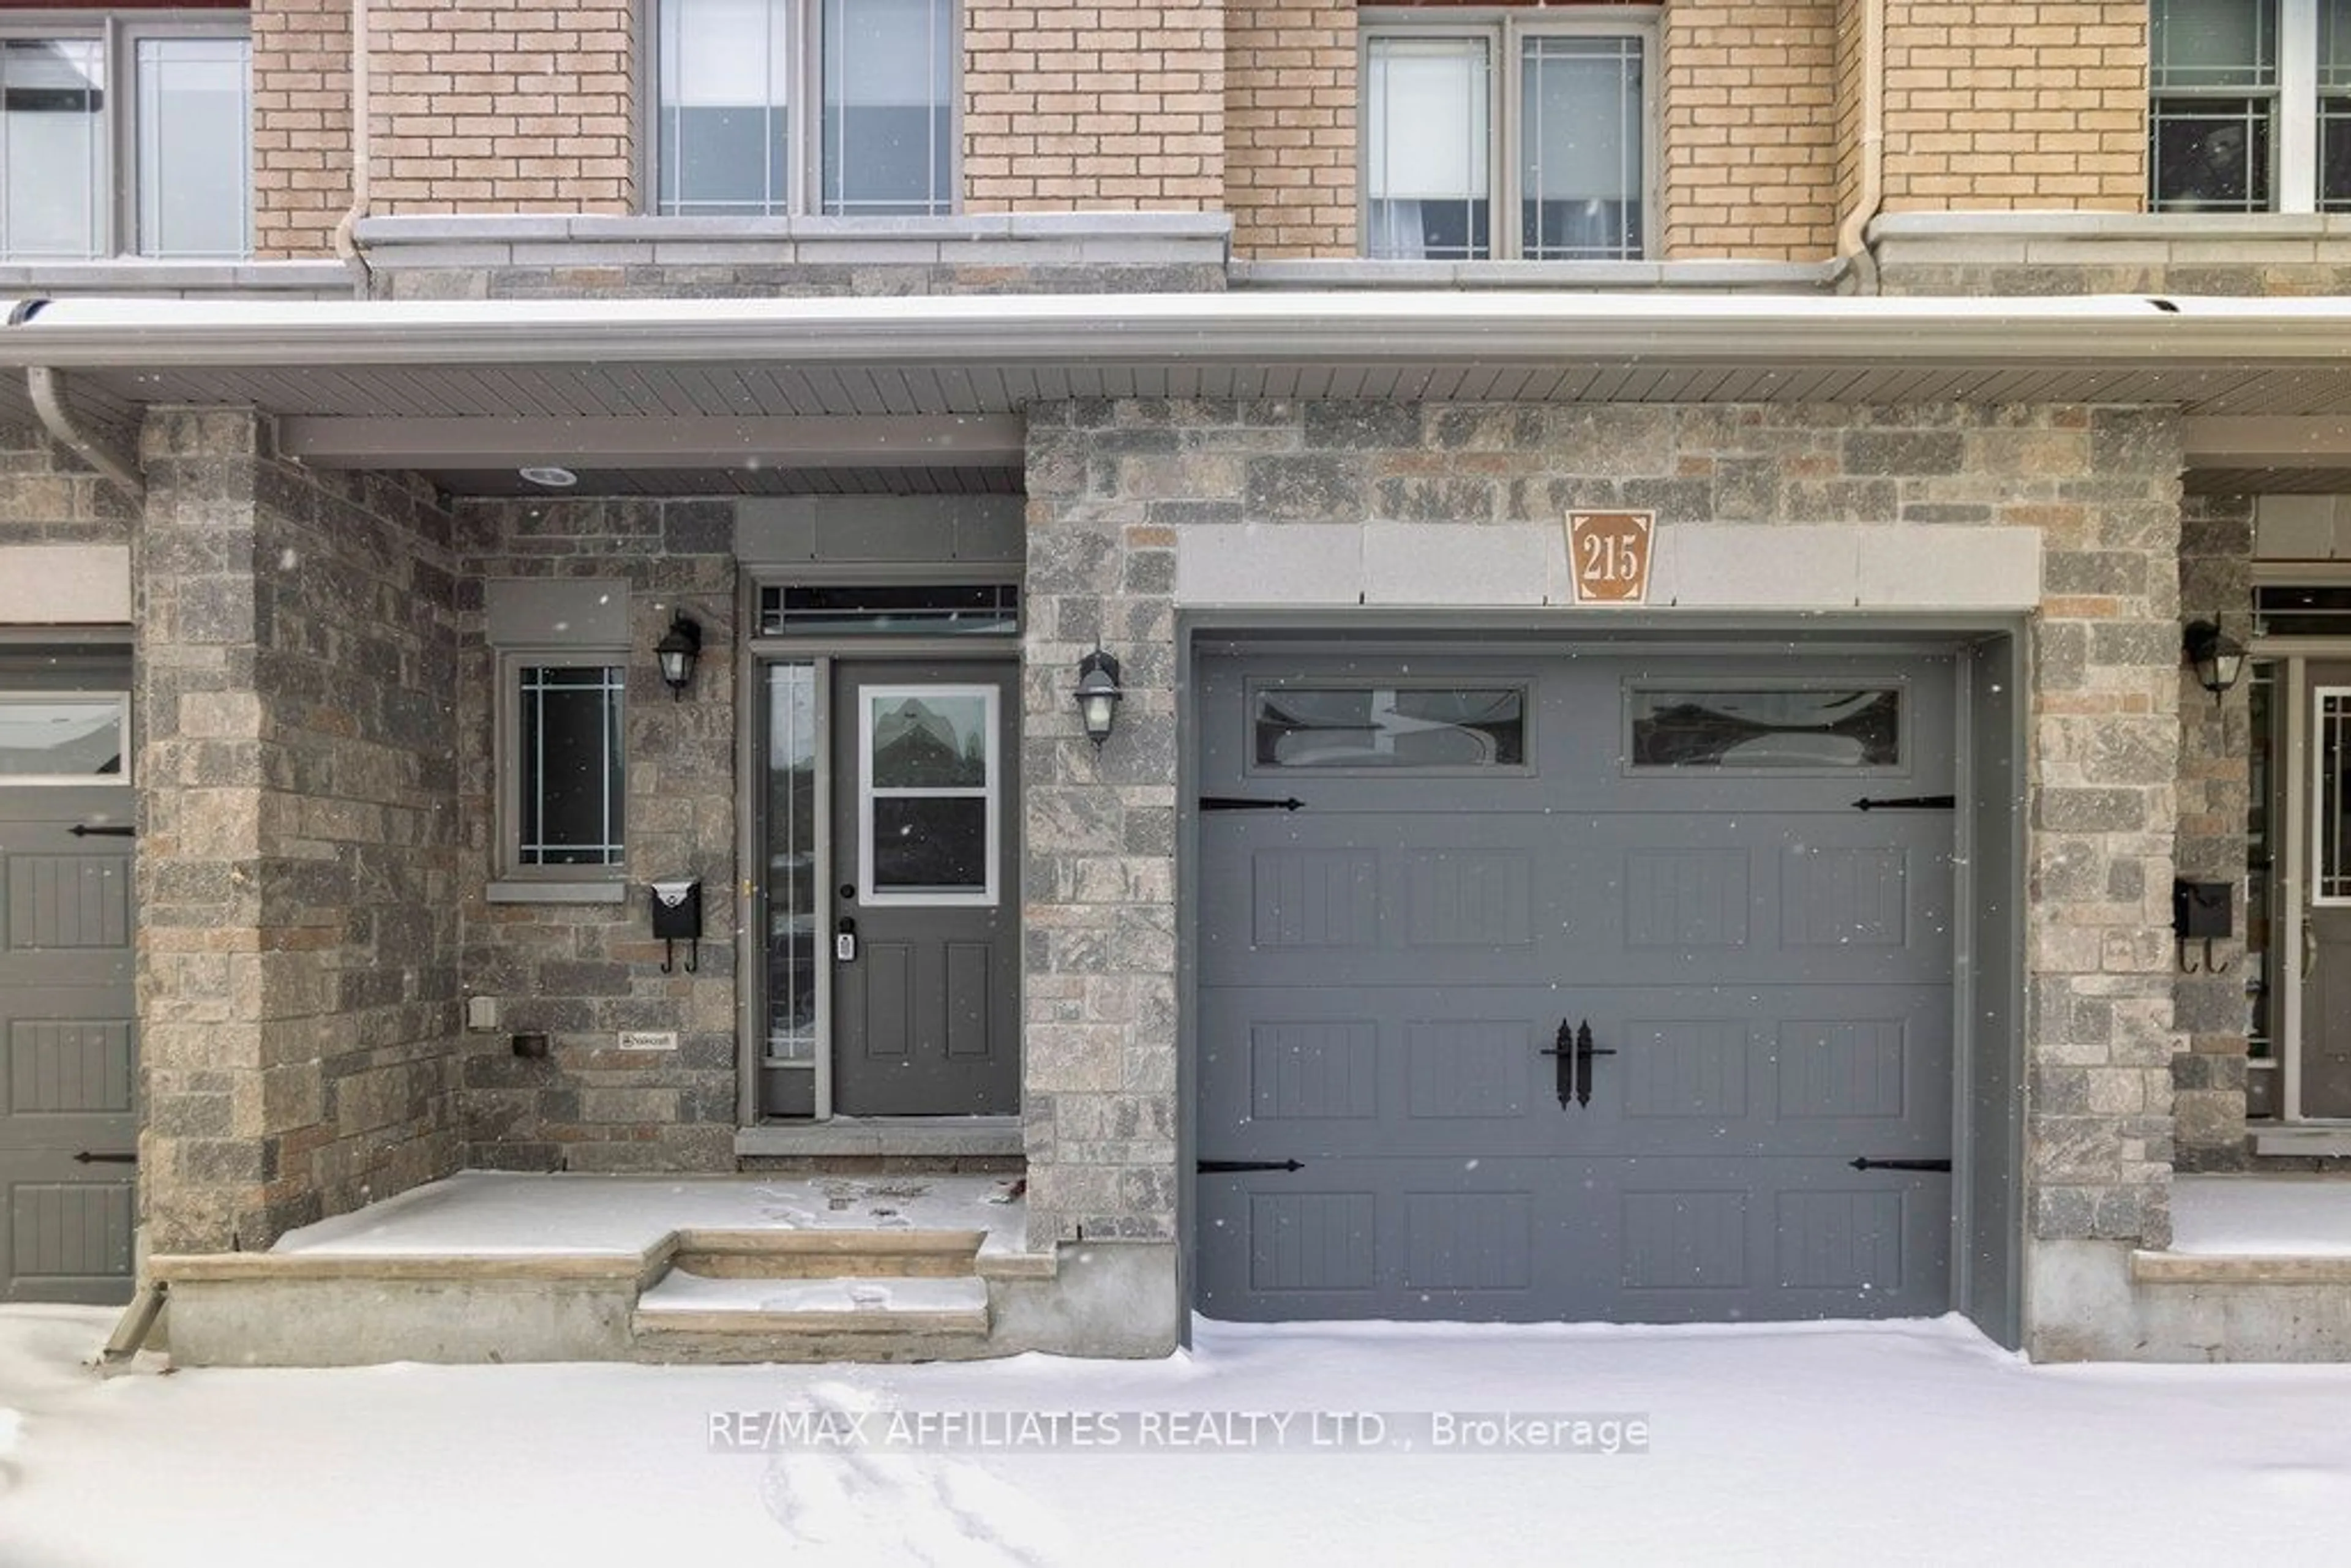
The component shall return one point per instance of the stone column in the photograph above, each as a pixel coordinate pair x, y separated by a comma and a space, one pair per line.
296, 947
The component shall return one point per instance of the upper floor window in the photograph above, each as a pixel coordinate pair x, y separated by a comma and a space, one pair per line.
125, 137
769, 107
2250, 105
1505, 138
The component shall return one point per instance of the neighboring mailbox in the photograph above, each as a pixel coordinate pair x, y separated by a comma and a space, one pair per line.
677, 917
2202, 912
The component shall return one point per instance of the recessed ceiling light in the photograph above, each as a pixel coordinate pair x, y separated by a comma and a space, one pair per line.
554, 478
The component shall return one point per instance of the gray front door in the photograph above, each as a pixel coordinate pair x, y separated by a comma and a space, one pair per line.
67, 1129
925, 855
1576, 987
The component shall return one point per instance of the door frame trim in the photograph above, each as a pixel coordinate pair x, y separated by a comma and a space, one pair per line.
755, 654
1202, 632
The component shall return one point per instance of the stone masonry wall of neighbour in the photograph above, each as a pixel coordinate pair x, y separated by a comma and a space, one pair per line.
296, 954
582, 972
1110, 482
2208, 1075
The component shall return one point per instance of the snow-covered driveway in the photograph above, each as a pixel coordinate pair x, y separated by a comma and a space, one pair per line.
1914, 1442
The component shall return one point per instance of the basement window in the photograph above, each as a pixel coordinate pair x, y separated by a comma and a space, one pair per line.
125, 138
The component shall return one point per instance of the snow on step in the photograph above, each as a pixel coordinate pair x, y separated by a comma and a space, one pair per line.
683, 1302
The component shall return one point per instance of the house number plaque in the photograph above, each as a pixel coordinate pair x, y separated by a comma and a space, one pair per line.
1608, 555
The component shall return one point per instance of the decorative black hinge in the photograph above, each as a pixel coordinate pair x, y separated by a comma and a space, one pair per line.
1248, 803
85, 831
89, 1158
1870, 1164
1225, 1167
1910, 803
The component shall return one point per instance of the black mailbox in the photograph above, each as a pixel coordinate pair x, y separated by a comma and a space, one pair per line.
2203, 911
677, 917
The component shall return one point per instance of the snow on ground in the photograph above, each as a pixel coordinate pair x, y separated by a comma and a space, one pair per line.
1914, 1442
502, 1214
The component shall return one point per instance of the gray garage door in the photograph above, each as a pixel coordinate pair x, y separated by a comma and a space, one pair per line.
66, 1128
1574, 988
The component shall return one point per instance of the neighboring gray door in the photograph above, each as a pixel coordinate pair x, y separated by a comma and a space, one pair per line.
1492, 855
925, 855
67, 1129
2326, 916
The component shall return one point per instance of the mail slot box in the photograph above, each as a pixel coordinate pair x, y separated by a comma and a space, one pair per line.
677, 910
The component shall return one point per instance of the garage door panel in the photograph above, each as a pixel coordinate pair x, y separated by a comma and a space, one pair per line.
63, 1236
1387, 973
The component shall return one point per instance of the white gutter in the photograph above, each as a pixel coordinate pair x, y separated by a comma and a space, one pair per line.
1869, 187
1351, 328
347, 245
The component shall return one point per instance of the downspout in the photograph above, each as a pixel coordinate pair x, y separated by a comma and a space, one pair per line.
1869, 186
347, 245
116, 458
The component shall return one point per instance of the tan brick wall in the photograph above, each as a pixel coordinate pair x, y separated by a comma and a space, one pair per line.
1116, 105
301, 124
2015, 105
1290, 127
502, 106
1749, 107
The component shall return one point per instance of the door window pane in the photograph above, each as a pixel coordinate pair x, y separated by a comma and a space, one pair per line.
570, 765
1429, 162
194, 127
927, 787
1581, 142
1829, 727
1389, 728
53, 179
2331, 841
792, 869
889, 74
724, 130
62, 739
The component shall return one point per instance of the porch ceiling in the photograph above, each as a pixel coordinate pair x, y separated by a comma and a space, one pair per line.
817, 396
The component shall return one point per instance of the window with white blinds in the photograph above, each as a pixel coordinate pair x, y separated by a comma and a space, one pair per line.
1504, 138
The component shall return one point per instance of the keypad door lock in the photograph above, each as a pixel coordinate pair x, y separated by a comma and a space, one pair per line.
844, 941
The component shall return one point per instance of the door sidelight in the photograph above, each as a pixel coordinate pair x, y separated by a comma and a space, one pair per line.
1571, 1051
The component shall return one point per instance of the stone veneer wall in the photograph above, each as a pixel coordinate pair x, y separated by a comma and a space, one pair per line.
584, 972
296, 951
1110, 483
2216, 556
48, 497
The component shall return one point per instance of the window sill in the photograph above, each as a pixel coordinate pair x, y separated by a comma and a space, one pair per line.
182, 279
518, 892
1763, 276
1155, 239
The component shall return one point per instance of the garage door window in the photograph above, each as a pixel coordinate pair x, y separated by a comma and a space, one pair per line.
1801, 729
57, 738
1384, 728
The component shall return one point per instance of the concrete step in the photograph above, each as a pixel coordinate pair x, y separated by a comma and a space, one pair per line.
690, 1317
825, 1254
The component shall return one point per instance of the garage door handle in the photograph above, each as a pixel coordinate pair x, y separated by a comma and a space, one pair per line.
1574, 1053
91, 830
1227, 1167
1865, 1163
88, 1157
1249, 803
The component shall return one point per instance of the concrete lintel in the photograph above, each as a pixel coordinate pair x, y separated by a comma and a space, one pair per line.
658, 441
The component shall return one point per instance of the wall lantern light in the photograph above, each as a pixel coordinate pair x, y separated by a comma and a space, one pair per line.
2218, 659
1098, 696
678, 650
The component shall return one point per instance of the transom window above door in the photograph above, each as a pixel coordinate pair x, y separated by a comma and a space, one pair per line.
125, 137
766, 108
1512, 138
2250, 108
